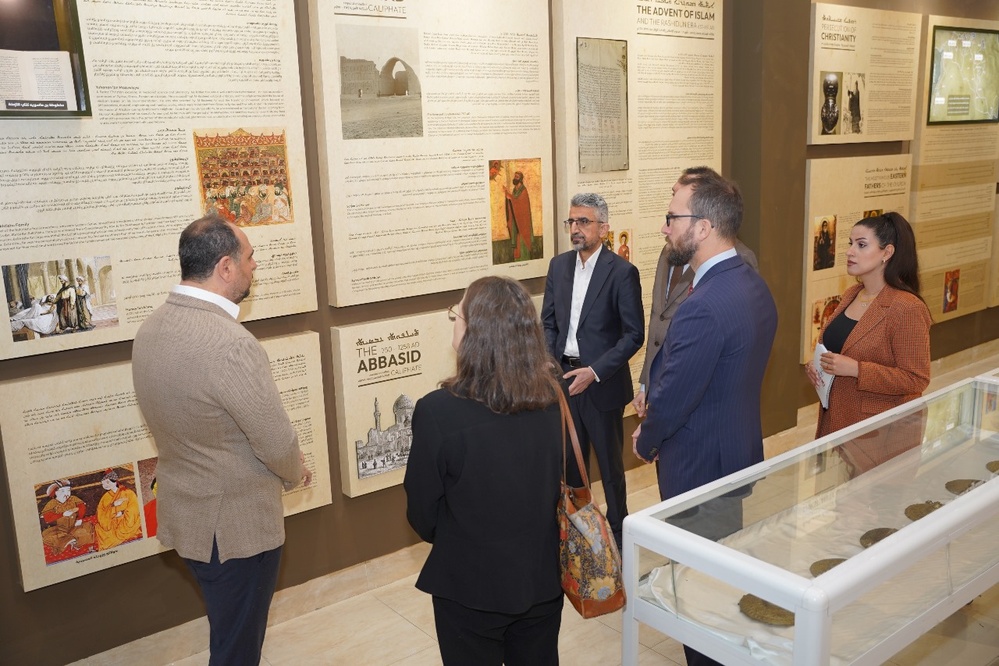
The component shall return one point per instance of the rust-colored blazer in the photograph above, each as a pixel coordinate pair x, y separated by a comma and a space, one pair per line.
891, 343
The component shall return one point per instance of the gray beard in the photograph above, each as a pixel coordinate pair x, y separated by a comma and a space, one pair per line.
581, 245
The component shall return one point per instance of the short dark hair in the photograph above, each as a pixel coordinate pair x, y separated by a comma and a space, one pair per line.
902, 268
203, 244
594, 201
715, 198
505, 376
690, 174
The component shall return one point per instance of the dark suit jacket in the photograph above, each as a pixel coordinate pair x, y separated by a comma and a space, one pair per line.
611, 322
704, 401
664, 308
891, 344
483, 488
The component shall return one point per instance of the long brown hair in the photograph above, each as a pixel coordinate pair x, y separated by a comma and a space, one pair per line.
502, 359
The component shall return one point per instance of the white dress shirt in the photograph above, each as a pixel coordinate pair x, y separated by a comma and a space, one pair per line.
706, 266
580, 283
210, 296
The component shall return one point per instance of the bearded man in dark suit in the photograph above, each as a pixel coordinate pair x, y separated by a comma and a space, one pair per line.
669, 290
703, 419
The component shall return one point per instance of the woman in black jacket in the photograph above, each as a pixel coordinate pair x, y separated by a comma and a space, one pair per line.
483, 483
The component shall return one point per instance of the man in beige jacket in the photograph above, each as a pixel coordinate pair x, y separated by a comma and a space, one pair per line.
226, 445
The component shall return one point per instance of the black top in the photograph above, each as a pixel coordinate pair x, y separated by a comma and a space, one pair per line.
483, 488
837, 332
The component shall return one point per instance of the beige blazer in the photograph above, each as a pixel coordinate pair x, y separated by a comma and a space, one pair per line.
225, 443
664, 308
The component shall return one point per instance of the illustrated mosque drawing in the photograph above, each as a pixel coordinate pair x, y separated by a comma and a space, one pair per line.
388, 449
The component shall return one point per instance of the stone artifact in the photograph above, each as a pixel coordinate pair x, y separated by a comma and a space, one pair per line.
922, 509
763, 611
819, 567
961, 486
871, 537
830, 109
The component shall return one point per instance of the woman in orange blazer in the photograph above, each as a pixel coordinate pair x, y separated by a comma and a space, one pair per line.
879, 336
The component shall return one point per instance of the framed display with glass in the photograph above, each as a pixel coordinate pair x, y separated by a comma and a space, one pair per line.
813, 557
42, 69
964, 76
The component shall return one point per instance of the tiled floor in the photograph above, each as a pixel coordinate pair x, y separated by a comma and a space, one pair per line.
376, 617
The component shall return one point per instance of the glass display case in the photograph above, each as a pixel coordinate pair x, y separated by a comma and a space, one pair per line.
842, 551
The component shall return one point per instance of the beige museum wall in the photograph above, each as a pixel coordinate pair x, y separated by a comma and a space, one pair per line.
764, 148
766, 61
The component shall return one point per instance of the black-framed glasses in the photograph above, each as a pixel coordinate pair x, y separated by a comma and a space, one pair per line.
452, 315
581, 222
670, 217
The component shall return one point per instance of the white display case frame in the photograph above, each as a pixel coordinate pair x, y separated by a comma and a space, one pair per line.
813, 600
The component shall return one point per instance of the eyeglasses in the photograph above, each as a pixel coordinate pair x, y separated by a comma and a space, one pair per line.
581, 222
452, 315
670, 217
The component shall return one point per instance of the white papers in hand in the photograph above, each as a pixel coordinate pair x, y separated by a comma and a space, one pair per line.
825, 379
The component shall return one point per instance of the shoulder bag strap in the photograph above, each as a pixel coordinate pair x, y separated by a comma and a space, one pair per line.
567, 424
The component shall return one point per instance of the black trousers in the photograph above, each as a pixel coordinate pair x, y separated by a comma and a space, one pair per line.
715, 520
237, 597
605, 431
469, 637
695, 658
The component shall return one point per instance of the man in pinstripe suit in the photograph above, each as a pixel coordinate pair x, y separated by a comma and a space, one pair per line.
704, 384
667, 296
703, 418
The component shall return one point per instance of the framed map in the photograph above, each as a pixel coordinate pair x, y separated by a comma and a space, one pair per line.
964, 76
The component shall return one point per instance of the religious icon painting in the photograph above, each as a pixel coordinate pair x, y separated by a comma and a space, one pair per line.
515, 193
952, 280
824, 243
